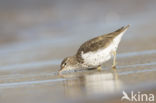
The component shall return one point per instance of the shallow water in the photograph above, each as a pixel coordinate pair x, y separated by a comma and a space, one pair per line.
34, 40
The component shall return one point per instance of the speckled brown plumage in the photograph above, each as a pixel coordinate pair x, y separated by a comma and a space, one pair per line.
98, 42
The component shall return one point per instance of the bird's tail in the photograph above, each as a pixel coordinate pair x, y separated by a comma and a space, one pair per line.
122, 29
117, 32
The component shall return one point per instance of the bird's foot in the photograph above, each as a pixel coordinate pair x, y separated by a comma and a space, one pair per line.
99, 68
114, 66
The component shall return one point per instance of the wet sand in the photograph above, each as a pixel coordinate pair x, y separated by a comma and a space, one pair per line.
31, 51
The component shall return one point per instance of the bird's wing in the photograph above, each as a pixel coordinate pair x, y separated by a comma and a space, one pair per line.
98, 42
93, 45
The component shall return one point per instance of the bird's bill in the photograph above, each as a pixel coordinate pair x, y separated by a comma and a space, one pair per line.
60, 70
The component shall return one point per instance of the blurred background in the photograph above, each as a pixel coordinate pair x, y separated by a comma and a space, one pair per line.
35, 35
31, 20
45, 24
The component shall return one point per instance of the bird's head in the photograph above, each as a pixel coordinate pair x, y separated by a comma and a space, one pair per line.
68, 64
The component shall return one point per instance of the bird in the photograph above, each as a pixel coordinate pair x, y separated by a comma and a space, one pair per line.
94, 52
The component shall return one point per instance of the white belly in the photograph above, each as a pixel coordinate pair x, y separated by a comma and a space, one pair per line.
93, 59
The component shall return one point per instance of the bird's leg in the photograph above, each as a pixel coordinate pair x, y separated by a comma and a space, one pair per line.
99, 68
114, 60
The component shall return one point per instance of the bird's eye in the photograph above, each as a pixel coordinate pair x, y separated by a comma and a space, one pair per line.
65, 63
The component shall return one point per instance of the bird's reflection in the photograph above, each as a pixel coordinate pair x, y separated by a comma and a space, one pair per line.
92, 84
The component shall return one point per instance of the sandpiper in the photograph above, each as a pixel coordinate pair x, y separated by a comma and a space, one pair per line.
93, 53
